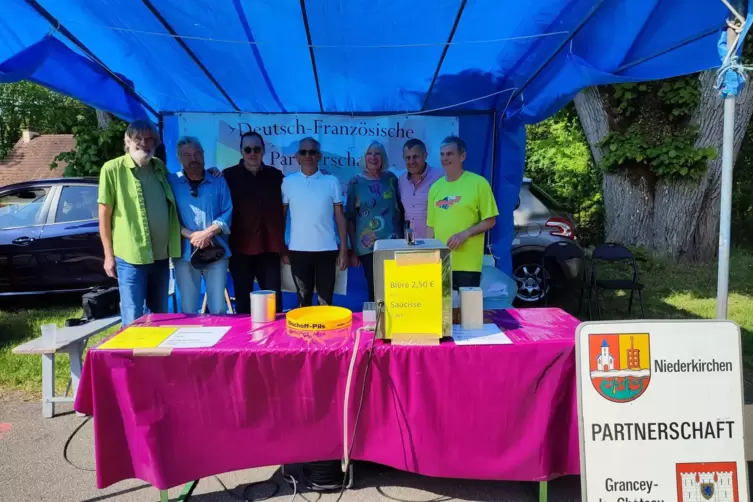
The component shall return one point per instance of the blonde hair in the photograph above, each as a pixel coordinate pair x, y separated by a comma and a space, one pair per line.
382, 150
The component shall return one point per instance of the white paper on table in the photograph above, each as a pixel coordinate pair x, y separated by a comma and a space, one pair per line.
341, 280
490, 335
195, 338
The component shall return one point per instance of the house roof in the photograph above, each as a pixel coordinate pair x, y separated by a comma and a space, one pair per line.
30, 161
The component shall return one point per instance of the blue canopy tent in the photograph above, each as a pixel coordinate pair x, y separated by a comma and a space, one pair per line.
497, 65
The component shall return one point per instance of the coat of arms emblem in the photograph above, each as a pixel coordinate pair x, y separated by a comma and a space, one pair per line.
620, 365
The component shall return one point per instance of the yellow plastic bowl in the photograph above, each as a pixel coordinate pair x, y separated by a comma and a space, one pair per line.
320, 318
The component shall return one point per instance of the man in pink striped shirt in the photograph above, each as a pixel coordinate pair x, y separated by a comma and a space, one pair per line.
414, 185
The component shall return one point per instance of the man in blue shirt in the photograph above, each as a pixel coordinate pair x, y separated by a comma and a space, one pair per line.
204, 209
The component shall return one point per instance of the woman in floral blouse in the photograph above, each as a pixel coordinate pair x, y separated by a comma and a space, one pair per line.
373, 209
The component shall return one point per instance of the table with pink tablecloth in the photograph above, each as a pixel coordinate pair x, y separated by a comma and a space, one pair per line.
266, 396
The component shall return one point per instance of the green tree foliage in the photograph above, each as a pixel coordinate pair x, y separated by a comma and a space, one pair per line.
650, 127
94, 147
559, 161
27, 105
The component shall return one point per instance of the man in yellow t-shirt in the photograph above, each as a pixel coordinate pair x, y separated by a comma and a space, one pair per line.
461, 209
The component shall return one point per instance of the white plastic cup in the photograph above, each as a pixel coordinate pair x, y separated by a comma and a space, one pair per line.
263, 306
49, 334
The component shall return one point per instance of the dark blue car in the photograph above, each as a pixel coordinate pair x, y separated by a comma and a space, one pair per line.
49, 237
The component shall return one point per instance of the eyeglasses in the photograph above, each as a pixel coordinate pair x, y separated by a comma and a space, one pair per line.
255, 149
303, 153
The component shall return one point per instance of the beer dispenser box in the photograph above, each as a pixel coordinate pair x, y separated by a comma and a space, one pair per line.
415, 283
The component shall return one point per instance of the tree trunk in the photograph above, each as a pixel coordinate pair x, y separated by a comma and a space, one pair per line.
678, 219
705, 239
628, 198
103, 119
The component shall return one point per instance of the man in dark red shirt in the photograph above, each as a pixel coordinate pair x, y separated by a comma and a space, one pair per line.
257, 239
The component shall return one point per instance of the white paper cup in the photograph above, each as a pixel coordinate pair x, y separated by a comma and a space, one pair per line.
49, 334
263, 306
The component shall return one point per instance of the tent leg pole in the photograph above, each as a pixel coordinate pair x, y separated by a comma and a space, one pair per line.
722, 287
725, 211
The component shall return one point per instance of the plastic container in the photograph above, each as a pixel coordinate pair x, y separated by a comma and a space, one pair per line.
319, 318
263, 305
49, 334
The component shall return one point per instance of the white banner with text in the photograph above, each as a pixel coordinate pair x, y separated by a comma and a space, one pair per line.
343, 138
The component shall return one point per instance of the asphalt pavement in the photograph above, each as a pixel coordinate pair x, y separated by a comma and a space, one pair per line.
32, 469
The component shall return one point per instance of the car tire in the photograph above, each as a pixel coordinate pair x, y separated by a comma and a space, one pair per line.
527, 272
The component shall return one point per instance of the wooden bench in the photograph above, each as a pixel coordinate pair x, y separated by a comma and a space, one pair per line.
70, 340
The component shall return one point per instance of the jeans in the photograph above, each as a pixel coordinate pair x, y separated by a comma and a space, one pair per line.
462, 279
264, 268
188, 280
314, 269
142, 285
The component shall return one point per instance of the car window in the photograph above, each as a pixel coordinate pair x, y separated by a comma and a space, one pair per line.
21, 208
77, 203
545, 198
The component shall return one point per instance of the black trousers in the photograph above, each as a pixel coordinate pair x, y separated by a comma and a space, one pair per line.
466, 280
314, 269
264, 268
367, 262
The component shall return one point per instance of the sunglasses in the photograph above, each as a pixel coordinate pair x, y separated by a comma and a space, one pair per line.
194, 191
255, 149
303, 153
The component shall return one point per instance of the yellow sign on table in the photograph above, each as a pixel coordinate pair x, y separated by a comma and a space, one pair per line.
138, 338
413, 297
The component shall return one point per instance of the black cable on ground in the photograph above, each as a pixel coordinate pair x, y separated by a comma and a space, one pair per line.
68, 442
316, 470
438, 498
243, 497
379, 310
322, 476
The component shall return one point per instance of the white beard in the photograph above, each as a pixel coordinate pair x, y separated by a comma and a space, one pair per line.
141, 157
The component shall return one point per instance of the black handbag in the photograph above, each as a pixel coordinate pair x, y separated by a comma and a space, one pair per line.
97, 304
101, 302
202, 258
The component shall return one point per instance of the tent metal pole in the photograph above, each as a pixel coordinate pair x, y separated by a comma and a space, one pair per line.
495, 131
311, 54
561, 46
689, 40
444, 53
725, 213
161, 129
722, 286
384, 113
156, 13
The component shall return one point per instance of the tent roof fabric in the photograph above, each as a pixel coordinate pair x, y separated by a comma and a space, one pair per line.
150, 57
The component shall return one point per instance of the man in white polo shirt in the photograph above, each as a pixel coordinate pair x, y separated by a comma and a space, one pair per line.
313, 199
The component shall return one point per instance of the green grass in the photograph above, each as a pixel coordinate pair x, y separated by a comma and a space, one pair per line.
681, 291
673, 291
20, 320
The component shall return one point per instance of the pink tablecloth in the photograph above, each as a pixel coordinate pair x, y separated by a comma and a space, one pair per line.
262, 396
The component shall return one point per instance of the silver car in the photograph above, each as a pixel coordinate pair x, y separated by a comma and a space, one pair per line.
539, 221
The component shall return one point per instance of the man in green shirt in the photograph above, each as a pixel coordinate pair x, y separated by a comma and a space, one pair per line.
138, 223
460, 210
